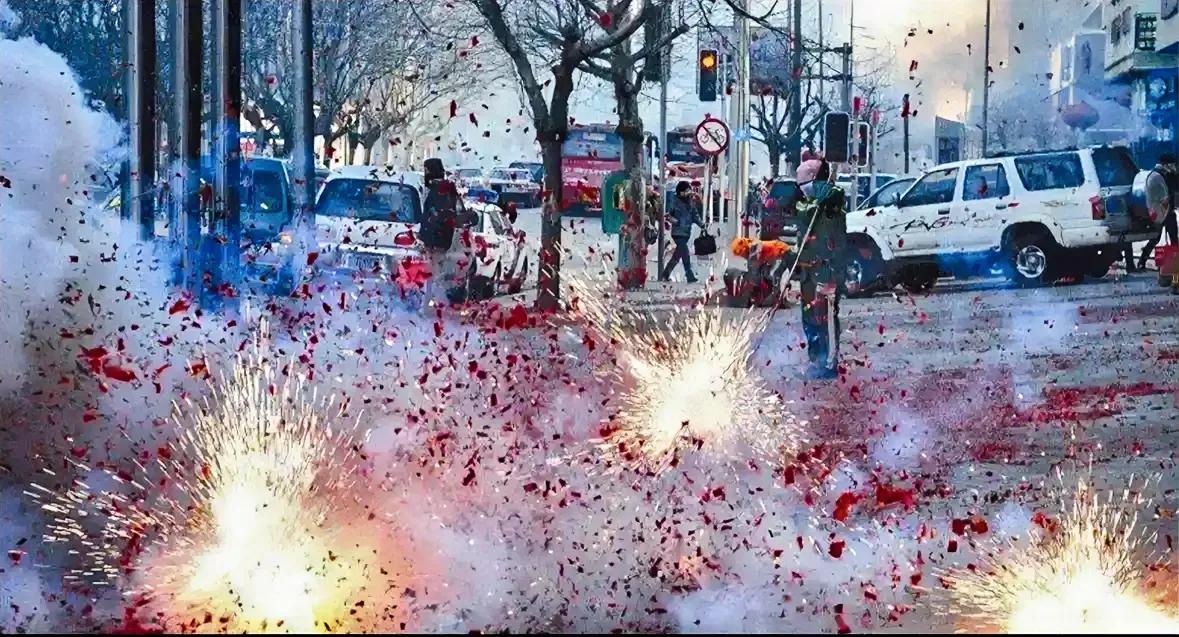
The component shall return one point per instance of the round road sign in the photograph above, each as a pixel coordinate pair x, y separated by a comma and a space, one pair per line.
712, 136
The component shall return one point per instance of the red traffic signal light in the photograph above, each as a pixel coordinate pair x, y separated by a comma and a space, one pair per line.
707, 75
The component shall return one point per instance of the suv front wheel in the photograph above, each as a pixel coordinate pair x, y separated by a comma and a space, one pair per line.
1032, 259
863, 270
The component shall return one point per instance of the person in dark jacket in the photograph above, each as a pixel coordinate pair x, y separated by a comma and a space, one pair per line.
684, 213
822, 262
1168, 168
440, 216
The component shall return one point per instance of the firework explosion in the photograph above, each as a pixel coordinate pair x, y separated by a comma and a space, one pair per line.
688, 386
1083, 574
233, 519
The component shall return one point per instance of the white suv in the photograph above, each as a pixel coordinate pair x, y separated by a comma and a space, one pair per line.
1035, 217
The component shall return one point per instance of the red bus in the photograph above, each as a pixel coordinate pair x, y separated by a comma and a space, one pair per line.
684, 161
590, 152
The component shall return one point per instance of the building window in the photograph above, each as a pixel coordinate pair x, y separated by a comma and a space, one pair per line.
1145, 25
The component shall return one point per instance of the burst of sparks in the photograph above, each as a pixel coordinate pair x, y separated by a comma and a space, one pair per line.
687, 386
234, 517
1083, 574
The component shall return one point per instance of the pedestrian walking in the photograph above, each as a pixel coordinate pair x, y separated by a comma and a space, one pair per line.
440, 217
1170, 172
821, 264
685, 212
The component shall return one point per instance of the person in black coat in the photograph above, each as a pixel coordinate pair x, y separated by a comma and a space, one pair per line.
441, 212
684, 213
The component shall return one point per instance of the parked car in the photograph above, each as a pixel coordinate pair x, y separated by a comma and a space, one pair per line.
888, 194
780, 211
1036, 217
467, 178
502, 256
515, 185
367, 219
864, 183
368, 222
534, 167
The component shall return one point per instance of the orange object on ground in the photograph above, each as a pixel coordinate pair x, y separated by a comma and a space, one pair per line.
766, 250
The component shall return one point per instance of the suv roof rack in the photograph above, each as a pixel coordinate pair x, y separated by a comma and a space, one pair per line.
1049, 151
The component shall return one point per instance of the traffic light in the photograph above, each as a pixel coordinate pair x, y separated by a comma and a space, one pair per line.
836, 132
865, 143
707, 75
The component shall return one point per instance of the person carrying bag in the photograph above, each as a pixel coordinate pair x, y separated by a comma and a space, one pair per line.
684, 213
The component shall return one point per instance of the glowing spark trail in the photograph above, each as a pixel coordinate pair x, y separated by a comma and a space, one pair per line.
234, 517
1083, 576
688, 387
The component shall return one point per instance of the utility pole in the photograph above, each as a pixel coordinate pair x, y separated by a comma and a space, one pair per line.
905, 126
740, 189
986, 78
855, 112
822, 69
303, 148
139, 94
185, 225
794, 147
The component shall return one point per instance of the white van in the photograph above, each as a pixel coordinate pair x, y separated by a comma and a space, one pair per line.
1036, 217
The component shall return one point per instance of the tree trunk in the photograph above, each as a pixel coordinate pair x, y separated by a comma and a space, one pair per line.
549, 270
551, 131
775, 153
632, 258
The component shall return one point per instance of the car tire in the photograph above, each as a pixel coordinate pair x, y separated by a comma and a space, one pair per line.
1033, 259
480, 288
919, 279
863, 270
518, 278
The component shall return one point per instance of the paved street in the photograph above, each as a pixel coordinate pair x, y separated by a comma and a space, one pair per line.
979, 398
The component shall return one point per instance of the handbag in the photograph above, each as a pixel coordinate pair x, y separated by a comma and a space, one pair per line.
705, 245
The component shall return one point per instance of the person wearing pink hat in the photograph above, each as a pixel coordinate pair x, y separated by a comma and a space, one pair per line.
822, 260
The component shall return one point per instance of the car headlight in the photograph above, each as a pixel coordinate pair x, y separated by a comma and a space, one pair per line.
286, 237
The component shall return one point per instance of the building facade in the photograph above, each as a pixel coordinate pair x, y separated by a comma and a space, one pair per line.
1123, 61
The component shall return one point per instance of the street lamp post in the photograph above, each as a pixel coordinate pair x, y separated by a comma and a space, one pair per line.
986, 78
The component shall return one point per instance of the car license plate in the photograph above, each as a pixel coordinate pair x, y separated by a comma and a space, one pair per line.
366, 262
1115, 205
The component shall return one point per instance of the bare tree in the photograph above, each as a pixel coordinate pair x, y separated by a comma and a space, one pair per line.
377, 66
1024, 119
88, 34
560, 35
624, 68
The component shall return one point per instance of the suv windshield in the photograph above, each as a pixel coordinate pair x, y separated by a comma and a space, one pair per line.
1115, 167
370, 200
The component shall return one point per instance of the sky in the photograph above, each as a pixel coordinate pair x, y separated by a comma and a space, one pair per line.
943, 37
